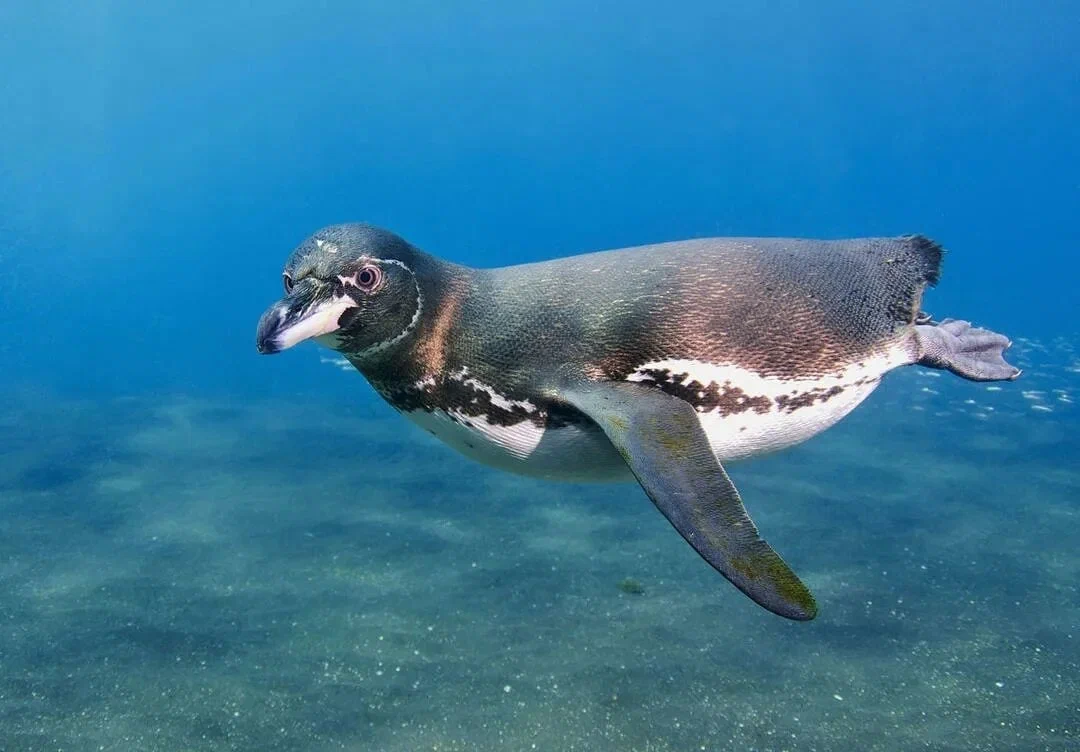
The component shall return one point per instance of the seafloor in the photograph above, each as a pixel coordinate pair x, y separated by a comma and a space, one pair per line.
182, 574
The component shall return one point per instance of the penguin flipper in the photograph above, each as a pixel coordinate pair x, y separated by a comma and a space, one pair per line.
662, 441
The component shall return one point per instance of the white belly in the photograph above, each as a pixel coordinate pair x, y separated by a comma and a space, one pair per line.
756, 415
566, 453
765, 414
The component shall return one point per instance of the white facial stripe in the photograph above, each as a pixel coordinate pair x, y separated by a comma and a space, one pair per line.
323, 319
378, 347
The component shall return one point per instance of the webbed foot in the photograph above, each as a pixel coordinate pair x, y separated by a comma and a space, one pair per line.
970, 352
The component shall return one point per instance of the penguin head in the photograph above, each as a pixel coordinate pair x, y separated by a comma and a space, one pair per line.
349, 287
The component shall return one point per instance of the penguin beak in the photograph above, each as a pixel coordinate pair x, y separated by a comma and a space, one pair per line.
289, 322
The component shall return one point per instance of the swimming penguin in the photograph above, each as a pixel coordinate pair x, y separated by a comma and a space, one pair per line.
658, 363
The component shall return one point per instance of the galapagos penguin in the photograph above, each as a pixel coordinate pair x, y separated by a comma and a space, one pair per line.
660, 363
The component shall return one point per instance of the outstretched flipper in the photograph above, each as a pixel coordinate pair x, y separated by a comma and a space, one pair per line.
662, 441
957, 346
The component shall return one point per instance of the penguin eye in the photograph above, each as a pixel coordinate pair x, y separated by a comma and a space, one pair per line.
287, 281
368, 278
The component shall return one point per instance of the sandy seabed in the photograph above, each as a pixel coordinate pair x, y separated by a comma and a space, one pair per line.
179, 574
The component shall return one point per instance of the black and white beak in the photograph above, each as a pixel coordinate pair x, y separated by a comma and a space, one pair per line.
300, 317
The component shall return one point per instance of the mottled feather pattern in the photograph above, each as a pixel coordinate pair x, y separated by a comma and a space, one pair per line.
776, 307
783, 310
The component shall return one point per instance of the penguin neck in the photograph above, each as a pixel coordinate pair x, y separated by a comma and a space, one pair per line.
428, 353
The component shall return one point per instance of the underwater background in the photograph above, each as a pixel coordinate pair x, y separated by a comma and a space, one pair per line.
205, 549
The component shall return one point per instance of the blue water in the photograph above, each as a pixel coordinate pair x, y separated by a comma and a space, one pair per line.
204, 549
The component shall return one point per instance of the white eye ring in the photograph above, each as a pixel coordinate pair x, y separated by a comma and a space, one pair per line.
287, 281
